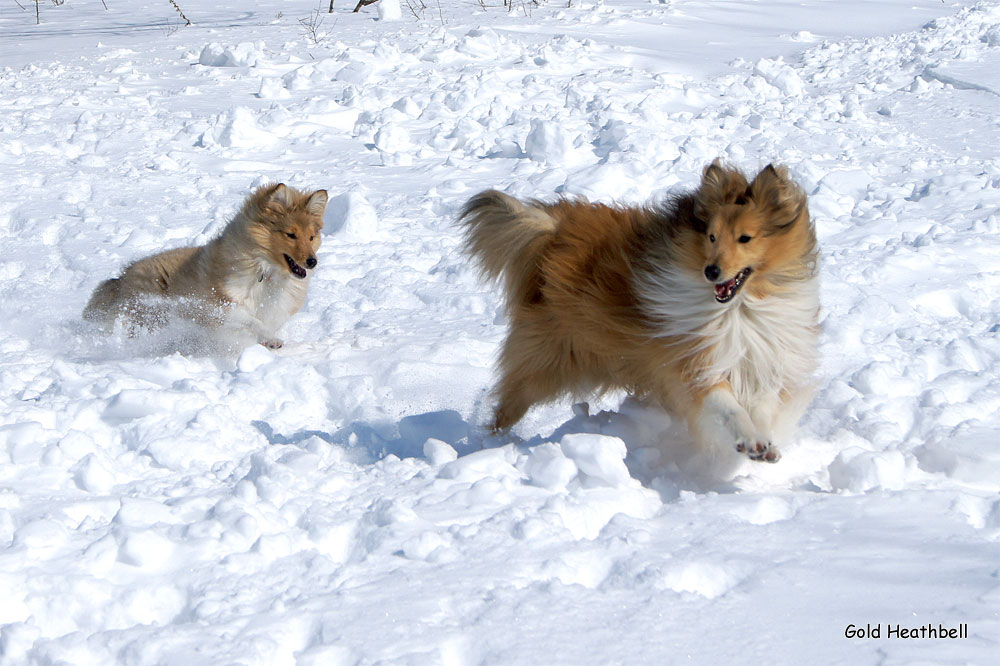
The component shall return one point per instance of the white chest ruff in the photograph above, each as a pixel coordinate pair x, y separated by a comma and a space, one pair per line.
269, 296
762, 347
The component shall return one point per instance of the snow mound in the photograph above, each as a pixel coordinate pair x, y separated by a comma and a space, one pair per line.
253, 358
857, 470
549, 467
600, 457
235, 128
781, 76
389, 10
550, 143
707, 579
244, 54
480, 43
352, 218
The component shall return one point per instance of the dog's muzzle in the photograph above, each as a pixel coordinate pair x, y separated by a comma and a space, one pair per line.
297, 270
724, 291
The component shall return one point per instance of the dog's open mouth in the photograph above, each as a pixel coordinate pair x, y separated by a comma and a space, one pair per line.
724, 291
297, 270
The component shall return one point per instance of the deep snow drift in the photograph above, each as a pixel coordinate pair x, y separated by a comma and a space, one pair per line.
337, 502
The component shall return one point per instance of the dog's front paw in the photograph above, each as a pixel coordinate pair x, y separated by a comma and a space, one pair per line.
272, 343
759, 450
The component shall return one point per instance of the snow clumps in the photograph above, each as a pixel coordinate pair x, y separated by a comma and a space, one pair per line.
244, 54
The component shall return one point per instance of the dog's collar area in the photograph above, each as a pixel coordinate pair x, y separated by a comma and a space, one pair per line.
725, 291
297, 271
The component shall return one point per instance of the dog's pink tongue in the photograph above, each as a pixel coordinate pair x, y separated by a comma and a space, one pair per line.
722, 290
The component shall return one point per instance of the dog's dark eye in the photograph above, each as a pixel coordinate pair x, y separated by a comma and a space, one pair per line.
711, 238
311, 237
744, 238
292, 236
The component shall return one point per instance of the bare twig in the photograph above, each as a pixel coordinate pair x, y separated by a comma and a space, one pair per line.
363, 3
187, 21
414, 5
311, 26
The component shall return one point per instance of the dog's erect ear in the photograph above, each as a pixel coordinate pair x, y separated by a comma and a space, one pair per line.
280, 195
714, 176
770, 186
780, 198
317, 203
719, 185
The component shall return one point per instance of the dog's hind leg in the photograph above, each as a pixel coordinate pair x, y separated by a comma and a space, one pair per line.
517, 393
104, 303
533, 370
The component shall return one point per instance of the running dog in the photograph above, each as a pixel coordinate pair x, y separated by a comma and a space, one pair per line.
706, 303
252, 276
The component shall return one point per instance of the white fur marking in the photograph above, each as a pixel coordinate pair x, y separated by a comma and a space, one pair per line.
722, 420
267, 303
761, 346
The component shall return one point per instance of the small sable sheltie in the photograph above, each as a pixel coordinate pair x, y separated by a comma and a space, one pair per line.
706, 303
252, 277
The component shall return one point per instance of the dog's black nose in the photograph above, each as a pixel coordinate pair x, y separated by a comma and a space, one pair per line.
712, 272
311, 262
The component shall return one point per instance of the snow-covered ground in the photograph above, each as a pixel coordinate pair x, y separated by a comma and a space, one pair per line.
336, 502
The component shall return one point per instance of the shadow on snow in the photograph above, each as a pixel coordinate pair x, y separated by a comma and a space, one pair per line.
661, 455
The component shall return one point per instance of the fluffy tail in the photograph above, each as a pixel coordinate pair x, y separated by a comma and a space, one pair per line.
507, 237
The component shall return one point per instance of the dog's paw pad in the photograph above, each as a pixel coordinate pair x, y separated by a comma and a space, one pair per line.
760, 451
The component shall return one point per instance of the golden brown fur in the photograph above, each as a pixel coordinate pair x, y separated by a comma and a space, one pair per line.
604, 297
252, 276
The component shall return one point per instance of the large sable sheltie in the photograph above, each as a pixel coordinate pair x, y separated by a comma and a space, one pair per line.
253, 276
707, 303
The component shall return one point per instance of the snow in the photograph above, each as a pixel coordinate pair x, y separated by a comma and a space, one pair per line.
338, 501
389, 10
